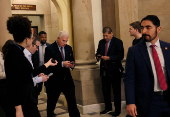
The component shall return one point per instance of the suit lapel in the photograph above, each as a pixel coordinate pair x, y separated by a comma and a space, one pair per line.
65, 49
112, 43
57, 51
103, 48
143, 49
165, 51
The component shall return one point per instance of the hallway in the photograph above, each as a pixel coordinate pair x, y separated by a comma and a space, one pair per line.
61, 110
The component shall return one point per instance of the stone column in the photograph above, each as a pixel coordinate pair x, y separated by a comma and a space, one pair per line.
126, 12
5, 11
86, 72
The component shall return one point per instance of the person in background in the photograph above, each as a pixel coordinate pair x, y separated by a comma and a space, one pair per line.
5, 49
62, 80
110, 52
41, 77
135, 30
38, 56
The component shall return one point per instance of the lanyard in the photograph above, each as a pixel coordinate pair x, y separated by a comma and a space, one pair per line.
18, 46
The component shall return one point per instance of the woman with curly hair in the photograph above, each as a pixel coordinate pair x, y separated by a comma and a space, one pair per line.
20, 89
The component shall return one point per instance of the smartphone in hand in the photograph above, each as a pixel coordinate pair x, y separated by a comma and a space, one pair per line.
53, 61
99, 56
72, 62
50, 74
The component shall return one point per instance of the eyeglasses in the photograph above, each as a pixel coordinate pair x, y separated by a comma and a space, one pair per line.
36, 46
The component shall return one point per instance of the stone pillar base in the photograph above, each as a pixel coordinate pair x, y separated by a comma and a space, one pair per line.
88, 89
87, 85
97, 107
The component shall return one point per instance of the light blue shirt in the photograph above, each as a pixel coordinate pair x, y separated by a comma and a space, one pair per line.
28, 55
41, 54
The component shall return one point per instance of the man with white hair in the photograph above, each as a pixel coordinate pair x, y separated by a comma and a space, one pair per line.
61, 80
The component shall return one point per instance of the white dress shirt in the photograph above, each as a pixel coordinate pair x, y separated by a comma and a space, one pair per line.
161, 58
41, 53
28, 55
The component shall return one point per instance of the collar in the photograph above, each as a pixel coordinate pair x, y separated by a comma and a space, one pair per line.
148, 44
43, 44
26, 52
58, 45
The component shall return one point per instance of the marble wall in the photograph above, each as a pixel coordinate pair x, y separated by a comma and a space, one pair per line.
159, 8
47, 12
126, 12
108, 14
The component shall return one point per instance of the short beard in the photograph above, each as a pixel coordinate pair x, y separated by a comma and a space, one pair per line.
43, 42
150, 39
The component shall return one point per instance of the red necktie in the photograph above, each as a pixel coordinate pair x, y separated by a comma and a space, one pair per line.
62, 53
106, 46
159, 71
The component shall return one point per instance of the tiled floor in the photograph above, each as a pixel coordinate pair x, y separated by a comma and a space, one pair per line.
61, 110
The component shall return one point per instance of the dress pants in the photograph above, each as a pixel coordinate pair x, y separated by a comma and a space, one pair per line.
52, 98
3, 95
28, 103
38, 89
159, 107
106, 88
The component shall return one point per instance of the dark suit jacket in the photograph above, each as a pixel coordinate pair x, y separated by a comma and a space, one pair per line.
61, 75
18, 74
139, 79
36, 59
116, 54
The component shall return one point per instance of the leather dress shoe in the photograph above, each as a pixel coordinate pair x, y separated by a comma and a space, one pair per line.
105, 111
114, 114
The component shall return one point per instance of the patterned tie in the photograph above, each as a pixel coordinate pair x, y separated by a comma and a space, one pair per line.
159, 71
62, 53
106, 46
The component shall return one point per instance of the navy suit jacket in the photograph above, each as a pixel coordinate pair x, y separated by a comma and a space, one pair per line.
61, 75
116, 54
139, 79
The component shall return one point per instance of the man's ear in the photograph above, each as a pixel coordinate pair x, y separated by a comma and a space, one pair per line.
159, 29
111, 33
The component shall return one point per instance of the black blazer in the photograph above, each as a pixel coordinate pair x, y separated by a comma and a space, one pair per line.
116, 54
139, 79
18, 74
61, 75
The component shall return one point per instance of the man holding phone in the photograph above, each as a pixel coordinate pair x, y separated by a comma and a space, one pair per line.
61, 80
38, 73
110, 52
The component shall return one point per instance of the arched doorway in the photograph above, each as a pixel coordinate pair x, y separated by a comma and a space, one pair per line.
64, 15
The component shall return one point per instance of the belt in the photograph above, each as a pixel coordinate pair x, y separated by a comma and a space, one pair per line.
158, 93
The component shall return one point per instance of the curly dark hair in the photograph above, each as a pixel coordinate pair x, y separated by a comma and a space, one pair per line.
20, 27
6, 47
42, 32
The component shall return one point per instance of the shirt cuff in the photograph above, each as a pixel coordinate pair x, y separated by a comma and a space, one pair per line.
37, 80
